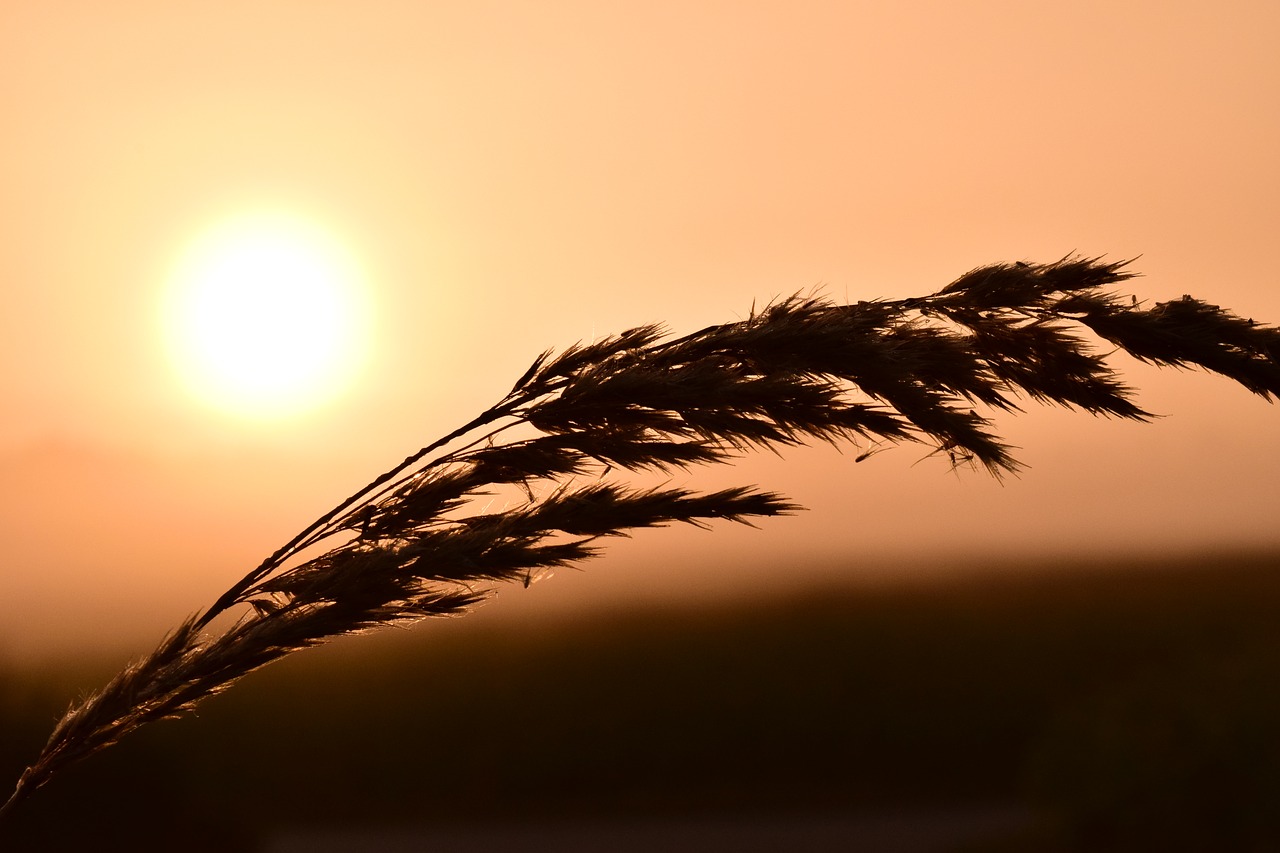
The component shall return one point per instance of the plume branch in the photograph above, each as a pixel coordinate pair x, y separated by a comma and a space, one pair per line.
413, 543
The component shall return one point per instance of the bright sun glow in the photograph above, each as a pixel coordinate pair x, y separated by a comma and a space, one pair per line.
265, 317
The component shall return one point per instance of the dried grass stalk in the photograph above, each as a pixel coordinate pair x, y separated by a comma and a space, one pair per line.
411, 544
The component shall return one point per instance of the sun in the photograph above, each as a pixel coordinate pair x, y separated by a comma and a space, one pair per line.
265, 316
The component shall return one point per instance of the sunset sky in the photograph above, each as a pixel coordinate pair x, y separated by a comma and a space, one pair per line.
492, 179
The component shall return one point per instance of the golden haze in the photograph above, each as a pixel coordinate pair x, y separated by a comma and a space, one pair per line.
512, 176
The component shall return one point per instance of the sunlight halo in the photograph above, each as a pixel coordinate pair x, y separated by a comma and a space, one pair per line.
265, 317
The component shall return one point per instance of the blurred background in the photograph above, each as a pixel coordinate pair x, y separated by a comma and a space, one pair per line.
1033, 659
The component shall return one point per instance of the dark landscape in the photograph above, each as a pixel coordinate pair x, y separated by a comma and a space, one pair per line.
1061, 708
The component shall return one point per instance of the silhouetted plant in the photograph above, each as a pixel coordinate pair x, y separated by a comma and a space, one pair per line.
412, 544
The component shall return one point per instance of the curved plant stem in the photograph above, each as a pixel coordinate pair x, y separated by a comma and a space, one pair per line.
416, 541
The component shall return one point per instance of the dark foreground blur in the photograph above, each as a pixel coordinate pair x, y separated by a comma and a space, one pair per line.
1100, 708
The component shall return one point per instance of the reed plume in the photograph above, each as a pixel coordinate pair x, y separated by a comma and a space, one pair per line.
413, 544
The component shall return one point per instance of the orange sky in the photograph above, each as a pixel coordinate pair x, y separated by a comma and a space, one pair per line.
513, 176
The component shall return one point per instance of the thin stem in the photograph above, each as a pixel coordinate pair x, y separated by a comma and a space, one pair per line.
233, 595
19, 792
